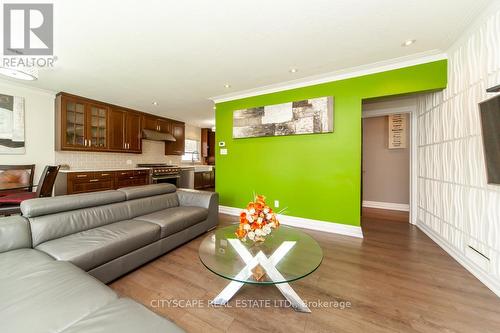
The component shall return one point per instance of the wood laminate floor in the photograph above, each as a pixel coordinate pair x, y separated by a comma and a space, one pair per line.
396, 280
371, 214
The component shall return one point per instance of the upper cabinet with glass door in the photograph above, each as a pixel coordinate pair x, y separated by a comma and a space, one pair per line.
98, 123
73, 129
81, 125
85, 124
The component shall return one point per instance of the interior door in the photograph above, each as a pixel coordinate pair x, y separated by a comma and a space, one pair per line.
133, 131
116, 129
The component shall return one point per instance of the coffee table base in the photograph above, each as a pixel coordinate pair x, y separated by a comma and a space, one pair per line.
291, 296
269, 265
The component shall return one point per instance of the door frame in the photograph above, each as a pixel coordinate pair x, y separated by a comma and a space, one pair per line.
412, 111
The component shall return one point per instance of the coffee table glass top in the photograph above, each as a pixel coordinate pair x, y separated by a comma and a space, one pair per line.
286, 255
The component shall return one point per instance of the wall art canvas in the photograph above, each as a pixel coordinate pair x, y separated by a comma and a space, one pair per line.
309, 116
397, 131
11, 125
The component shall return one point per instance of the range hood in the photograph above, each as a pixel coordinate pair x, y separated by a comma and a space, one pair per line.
157, 136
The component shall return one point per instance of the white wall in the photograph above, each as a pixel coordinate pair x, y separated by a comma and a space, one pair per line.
456, 206
39, 126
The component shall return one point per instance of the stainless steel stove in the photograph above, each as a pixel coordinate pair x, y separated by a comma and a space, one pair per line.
162, 173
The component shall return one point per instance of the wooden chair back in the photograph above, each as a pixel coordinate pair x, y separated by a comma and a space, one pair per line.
17, 176
47, 180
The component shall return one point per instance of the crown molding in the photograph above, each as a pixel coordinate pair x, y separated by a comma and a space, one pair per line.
11, 83
377, 67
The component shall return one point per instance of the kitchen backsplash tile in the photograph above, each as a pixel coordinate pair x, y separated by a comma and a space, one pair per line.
152, 152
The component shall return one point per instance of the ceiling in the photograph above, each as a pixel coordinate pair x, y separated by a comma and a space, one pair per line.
181, 53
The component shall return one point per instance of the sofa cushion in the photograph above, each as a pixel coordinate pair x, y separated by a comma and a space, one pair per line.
47, 295
47, 227
20, 262
175, 219
14, 233
44, 206
91, 248
143, 206
124, 316
136, 192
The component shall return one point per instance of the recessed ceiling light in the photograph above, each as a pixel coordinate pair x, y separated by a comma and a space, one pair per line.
408, 42
293, 70
227, 85
155, 103
21, 73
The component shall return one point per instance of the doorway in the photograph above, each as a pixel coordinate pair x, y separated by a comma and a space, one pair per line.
388, 153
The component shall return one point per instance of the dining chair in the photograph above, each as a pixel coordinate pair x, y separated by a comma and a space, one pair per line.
10, 204
16, 178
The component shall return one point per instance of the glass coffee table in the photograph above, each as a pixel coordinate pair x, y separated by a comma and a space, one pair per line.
286, 255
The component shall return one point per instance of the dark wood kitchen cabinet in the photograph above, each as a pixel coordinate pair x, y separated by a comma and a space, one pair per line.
84, 124
133, 132
204, 179
82, 182
158, 124
93, 181
124, 131
164, 125
176, 147
150, 122
131, 178
81, 124
116, 130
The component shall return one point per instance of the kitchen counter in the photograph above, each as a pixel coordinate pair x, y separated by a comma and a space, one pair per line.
100, 169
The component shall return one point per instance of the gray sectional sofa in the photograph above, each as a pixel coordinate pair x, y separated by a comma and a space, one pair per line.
52, 257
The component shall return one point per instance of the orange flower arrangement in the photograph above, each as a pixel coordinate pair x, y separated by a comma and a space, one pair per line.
256, 221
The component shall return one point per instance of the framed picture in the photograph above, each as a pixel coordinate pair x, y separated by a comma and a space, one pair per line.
309, 116
397, 131
11, 125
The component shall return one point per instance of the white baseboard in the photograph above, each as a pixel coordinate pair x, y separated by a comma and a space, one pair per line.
467, 263
300, 222
386, 205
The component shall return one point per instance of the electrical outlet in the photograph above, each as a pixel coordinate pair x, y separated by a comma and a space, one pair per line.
129, 162
223, 151
276, 203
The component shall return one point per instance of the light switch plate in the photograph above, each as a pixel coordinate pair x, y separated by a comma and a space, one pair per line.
223, 151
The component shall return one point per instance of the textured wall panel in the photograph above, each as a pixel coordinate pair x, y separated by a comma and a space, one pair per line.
453, 197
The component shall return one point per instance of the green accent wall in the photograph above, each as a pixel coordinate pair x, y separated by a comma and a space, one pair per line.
315, 176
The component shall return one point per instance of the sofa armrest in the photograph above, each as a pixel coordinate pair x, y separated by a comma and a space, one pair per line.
14, 233
205, 199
